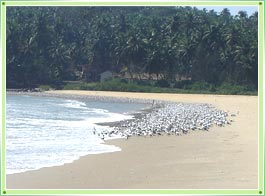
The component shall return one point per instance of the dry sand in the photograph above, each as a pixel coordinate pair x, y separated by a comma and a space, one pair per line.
222, 158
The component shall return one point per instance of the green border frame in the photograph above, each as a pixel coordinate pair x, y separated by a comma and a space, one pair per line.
113, 3
258, 191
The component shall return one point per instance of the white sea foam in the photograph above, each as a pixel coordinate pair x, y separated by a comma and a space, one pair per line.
48, 132
74, 104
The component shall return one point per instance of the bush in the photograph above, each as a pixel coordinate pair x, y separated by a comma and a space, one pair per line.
162, 83
45, 87
200, 86
197, 87
71, 86
182, 83
114, 85
123, 80
227, 88
144, 82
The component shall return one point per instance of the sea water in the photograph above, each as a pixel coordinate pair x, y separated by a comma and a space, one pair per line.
45, 131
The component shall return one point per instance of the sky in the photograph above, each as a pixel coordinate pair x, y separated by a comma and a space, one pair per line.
233, 9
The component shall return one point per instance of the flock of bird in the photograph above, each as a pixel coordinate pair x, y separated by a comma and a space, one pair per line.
171, 119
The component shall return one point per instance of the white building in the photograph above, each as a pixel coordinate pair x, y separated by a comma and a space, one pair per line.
105, 76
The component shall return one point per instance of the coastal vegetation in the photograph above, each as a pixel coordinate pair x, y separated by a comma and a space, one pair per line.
148, 49
196, 87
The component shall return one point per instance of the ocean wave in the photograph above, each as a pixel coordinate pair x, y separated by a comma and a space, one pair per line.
55, 159
74, 104
44, 132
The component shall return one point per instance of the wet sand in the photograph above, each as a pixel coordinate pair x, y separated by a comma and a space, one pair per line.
222, 158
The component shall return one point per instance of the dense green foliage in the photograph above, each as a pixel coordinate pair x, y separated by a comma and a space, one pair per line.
48, 45
132, 86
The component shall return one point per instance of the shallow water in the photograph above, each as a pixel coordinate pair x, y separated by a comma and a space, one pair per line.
45, 131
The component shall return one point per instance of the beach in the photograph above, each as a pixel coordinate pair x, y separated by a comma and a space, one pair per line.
221, 158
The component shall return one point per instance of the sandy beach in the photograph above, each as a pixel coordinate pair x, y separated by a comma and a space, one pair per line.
221, 158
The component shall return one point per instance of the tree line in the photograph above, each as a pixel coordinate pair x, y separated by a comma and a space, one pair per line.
48, 45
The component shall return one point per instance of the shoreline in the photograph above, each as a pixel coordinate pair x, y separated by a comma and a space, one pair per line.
137, 114
90, 97
154, 150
